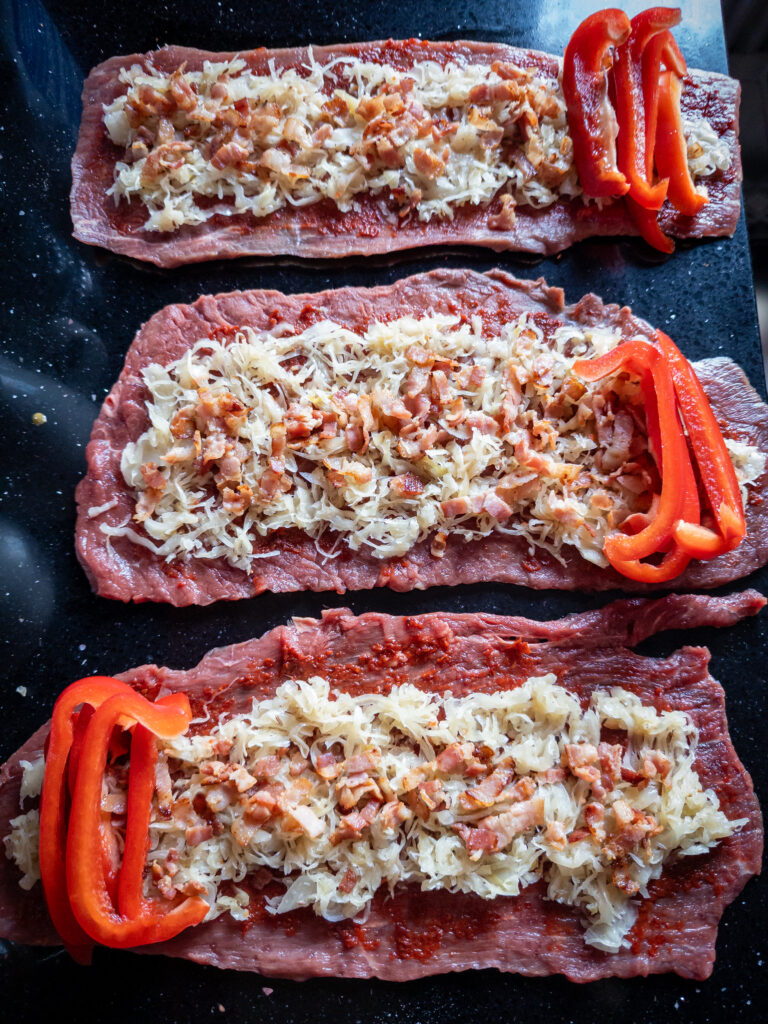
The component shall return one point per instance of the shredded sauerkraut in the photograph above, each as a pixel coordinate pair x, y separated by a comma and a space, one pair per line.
431, 139
413, 772
414, 429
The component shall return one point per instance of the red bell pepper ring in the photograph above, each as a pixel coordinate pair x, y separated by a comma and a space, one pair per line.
86, 885
93, 691
671, 150
634, 142
642, 358
591, 120
713, 459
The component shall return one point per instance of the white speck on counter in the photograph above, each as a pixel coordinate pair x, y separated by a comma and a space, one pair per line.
22, 691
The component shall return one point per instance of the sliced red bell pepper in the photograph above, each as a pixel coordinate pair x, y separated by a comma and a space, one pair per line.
647, 223
86, 885
671, 150
676, 558
661, 50
591, 119
713, 459
642, 358
93, 690
141, 788
633, 141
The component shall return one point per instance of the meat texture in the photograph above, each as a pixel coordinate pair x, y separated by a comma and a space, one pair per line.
126, 571
677, 925
322, 229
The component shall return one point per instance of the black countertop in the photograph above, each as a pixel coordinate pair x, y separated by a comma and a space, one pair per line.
68, 314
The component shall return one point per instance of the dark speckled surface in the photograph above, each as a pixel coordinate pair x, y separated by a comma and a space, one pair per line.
68, 315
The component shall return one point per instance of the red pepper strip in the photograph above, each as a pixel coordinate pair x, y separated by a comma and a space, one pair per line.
662, 49
87, 889
671, 152
647, 223
640, 357
591, 120
93, 690
633, 140
676, 559
141, 789
713, 459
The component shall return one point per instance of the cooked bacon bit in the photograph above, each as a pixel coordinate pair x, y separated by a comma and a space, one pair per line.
242, 831
416, 381
610, 755
632, 827
229, 155
330, 427
419, 356
454, 756
505, 219
222, 746
266, 767
327, 767
622, 879
272, 483
219, 771
429, 797
354, 824
322, 135
303, 819
455, 507
578, 834
163, 786
367, 760
182, 91
348, 880
393, 814
594, 815
407, 485
552, 775
297, 764
481, 423
511, 72
237, 502
148, 499
555, 835
518, 819
198, 834
439, 544
167, 157
262, 805
440, 388
506, 91
655, 763
183, 423
370, 107
496, 507
354, 787
218, 798
294, 131
348, 471
427, 163
477, 840
486, 793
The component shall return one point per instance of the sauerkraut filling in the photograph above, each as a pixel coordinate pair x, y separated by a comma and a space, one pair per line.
413, 430
227, 141
334, 796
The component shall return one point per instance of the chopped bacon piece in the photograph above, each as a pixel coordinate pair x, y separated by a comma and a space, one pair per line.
506, 91
407, 485
419, 356
486, 793
197, 834
477, 840
367, 760
427, 163
428, 797
439, 544
394, 813
632, 827
344, 472
303, 819
622, 879
328, 767
266, 767
518, 819
505, 219
229, 155
555, 835
370, 107
243, 831
496, 507
218, 798
354, 824
655, 764
552, 775
348, 880
352, 788
481, 423
455, 507
237, 502
272, 483
594, 815
610, 755
454, 756
182, 91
